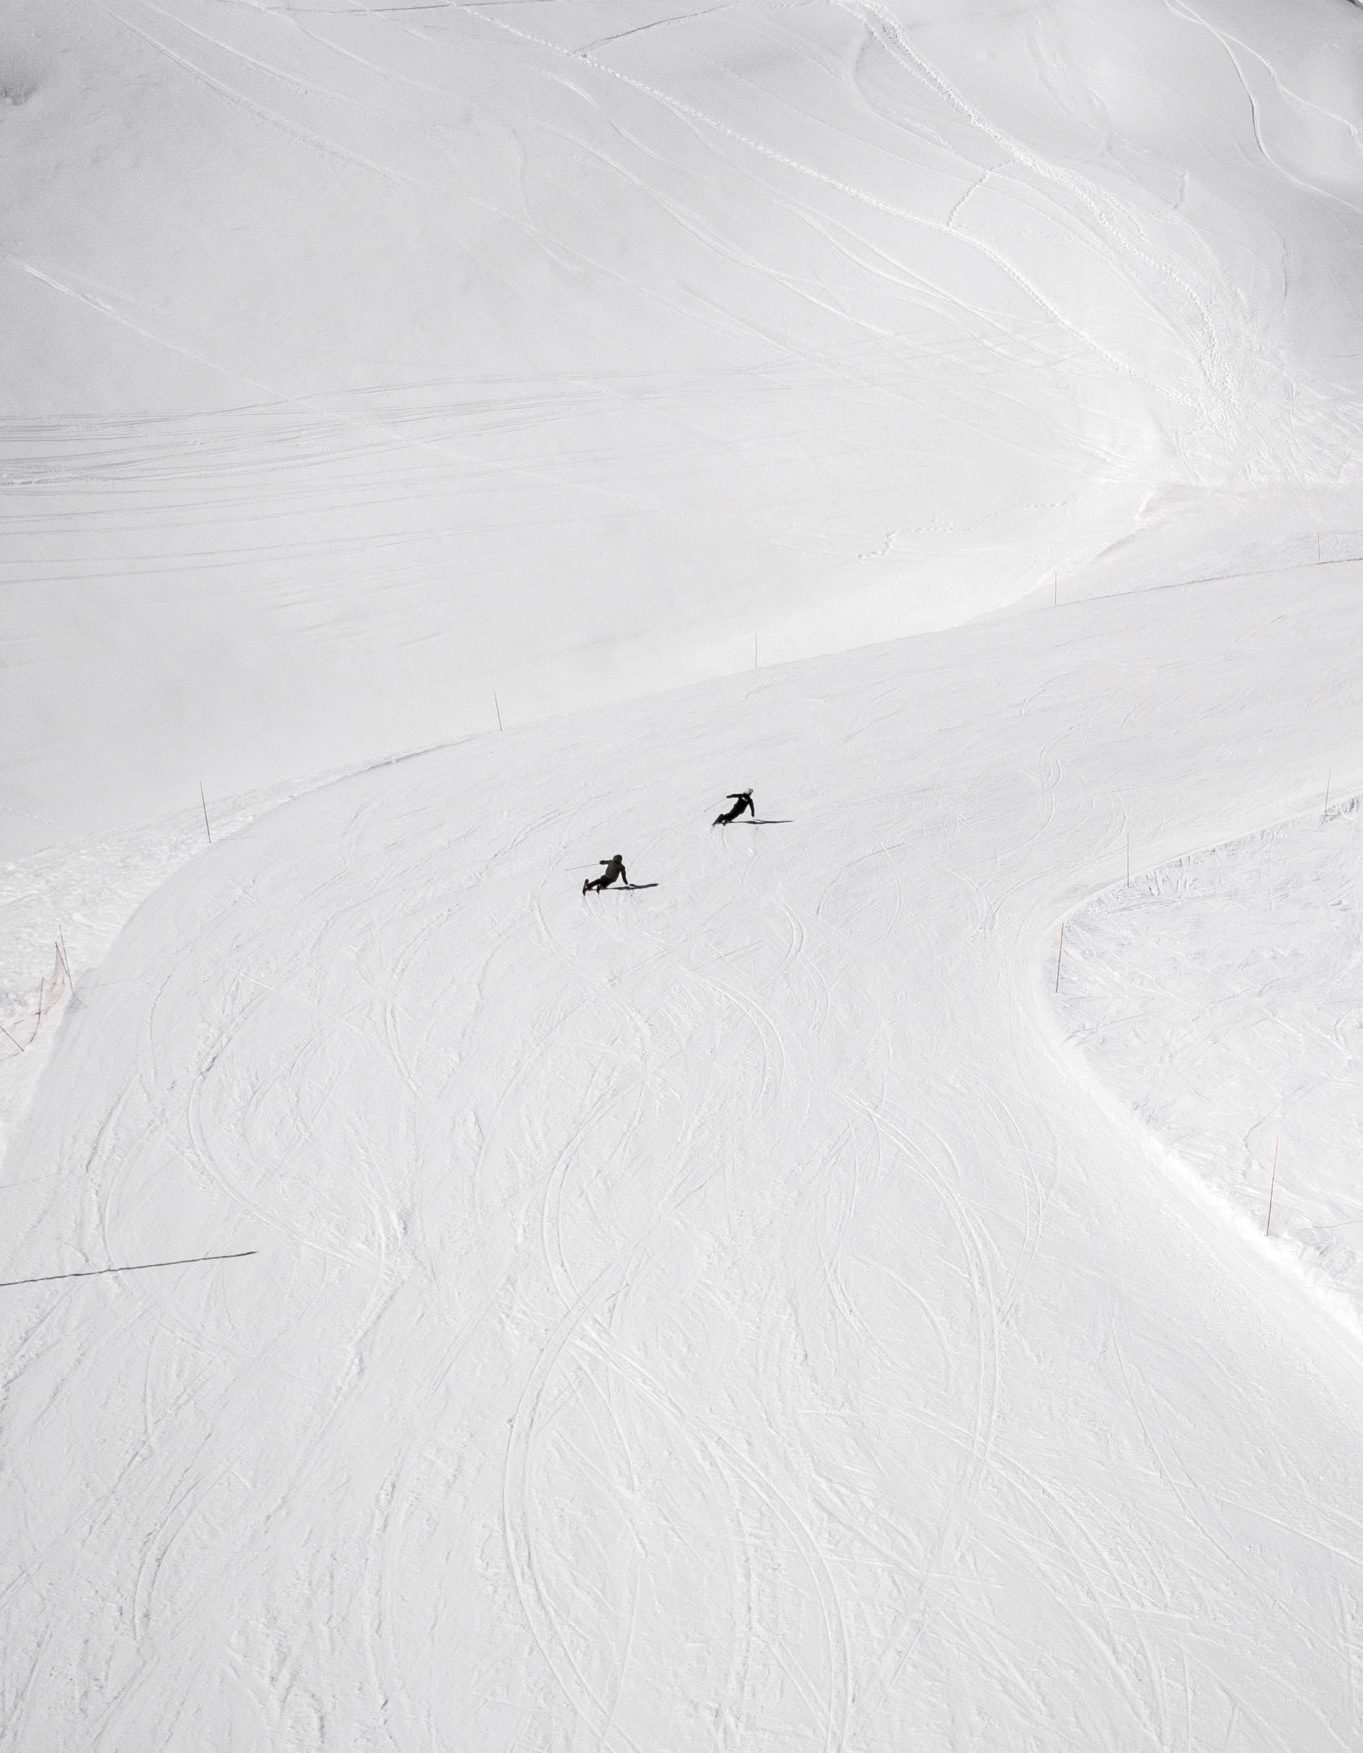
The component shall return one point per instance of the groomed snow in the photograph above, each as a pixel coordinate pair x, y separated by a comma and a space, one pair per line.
365, 363
721, 1315
732, 1314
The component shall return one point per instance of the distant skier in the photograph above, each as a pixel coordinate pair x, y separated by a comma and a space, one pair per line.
614, 872
742, 801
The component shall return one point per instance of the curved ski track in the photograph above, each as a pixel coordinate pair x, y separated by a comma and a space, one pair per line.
703, 1317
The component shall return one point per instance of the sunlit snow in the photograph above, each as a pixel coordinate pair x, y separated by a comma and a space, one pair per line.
445, 445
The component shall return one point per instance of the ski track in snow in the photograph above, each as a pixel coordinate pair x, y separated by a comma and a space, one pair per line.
709, 1316
794, 322
725, 1315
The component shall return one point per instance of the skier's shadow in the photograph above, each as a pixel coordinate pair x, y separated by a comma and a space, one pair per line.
755, 822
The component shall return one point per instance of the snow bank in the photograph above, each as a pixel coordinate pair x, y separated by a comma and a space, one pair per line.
62, 909
1220, 996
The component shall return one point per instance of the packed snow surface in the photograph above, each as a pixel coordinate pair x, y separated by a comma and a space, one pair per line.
733, 1314
721, 1315
370, 370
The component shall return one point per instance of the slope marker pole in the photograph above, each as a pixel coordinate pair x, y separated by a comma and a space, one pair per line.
1271, 1179
143, 1266
1329, 771
497, 707
204, 801
1060, 955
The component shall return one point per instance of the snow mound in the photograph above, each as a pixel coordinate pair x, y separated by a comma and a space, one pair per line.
1220, 996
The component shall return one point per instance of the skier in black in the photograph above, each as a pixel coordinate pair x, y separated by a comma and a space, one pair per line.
742, 801
615, 870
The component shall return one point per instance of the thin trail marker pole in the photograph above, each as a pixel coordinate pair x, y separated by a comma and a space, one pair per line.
144, 1266
204, 801
1060, 955
497, 706
1329, 772
1271, 1179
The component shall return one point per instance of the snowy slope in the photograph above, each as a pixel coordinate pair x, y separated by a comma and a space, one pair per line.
1220, 996
730, 1314
363, 361
716, 1316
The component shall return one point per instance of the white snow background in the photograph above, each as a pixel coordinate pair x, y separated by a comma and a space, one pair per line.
738, 1313
1220, 995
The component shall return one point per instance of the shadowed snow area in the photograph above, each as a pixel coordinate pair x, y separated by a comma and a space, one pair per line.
1220, 996
715, 1316
362, 360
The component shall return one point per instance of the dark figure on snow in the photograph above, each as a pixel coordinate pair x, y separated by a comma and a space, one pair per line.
742, 801
614, 872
